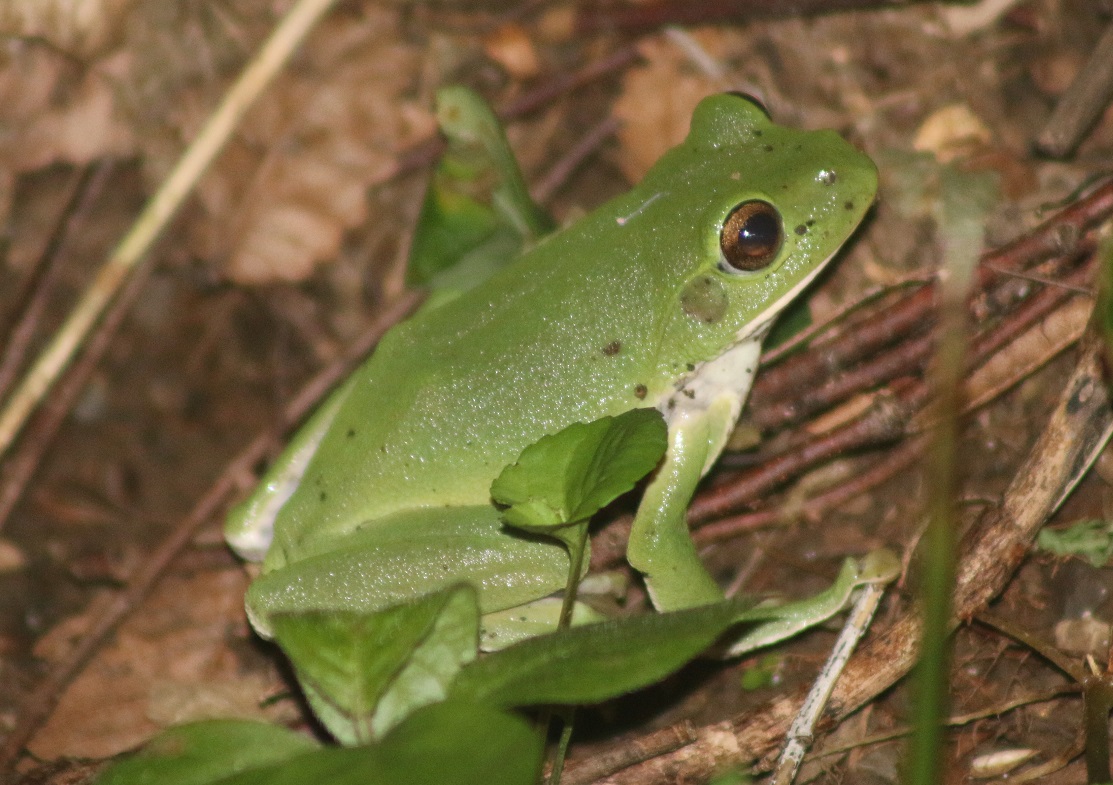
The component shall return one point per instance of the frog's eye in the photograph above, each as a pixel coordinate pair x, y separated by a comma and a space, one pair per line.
751, 236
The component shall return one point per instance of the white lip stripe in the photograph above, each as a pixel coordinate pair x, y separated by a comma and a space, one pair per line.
782, 302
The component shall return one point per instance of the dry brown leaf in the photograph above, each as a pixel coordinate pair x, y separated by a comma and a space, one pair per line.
510, 46
656, 104
169, 663
54, 111
951, 132
79, 27
293, 180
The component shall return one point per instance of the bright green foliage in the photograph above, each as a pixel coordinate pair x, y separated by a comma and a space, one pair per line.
205, 752
364, 673
477, 213
762, 673
1089, 539
600, 661
445, 744
596, 662
569, 476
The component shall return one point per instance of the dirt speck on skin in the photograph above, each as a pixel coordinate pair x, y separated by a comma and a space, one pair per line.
295, 237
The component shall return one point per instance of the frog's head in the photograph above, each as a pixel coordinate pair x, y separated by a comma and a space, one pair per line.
759, 210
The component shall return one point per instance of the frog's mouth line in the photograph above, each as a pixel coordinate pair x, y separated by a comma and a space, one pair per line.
759, 329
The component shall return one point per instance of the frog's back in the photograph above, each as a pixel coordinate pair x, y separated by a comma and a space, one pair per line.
607, 315
456, 393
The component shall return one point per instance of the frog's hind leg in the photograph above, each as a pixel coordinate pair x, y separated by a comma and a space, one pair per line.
250, 526
407, 555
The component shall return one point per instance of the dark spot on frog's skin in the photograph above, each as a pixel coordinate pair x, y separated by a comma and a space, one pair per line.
672, 404
749, 370
801, 230
849, 205
322, 497
613, 348
828, 177
809, 223
768, 148
690, 366
705, 299
640, 391
689, 394
758, 132
351, 432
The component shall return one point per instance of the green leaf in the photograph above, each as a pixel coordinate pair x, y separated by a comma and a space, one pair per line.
205, 752
445, 744
596, 662
363, 673
601, 661
566, 477
762, 673
477, 213
1088, 539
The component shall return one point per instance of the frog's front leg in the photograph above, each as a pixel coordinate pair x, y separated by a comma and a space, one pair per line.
701, 416
660, 546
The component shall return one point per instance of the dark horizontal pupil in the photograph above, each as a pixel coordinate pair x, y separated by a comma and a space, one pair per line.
751, 236
759, 234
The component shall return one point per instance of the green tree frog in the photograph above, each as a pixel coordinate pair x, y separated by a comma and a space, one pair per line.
659, 298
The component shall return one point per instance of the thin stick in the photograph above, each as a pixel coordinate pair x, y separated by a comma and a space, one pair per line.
21, 465
1082, 104
275, 52
802, 730
86, 187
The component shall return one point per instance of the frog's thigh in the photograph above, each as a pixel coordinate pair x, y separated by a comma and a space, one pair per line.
250, 526
419, 552
503, 628
660, 545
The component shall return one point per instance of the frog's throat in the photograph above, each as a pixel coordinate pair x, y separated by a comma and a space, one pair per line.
730, 374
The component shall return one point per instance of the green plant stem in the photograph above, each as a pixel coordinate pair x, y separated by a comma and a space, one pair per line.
960, 212
575, 566
561, 751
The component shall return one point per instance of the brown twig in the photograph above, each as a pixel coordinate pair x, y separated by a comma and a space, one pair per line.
84, 190
649, 16
586, 147
21, 464
1083, 102
895, 461
886, 420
